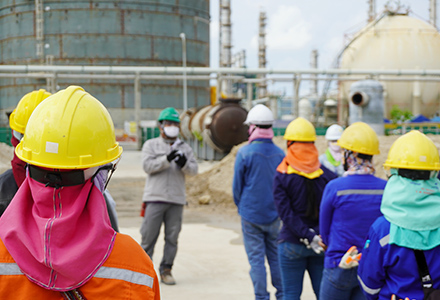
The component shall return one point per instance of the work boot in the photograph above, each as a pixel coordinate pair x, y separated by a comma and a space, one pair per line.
166, 277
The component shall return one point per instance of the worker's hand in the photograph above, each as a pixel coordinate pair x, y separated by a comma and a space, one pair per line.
324, 246
315, 244
181, 160
172, 155
144, 206
350, 259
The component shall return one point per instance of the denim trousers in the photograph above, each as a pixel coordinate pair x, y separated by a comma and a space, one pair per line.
340, 284
260, 242
295, 259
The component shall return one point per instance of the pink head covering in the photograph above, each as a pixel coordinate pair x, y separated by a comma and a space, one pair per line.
259, 133
58, 237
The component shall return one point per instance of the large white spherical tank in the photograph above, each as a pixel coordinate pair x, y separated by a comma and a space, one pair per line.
398, 42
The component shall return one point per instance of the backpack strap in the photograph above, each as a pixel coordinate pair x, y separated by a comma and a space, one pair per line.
73, 295
423, 269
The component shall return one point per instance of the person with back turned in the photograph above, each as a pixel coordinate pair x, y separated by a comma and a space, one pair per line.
255, 166
400, 258
349, 206
166, 160
298, 185
56, 241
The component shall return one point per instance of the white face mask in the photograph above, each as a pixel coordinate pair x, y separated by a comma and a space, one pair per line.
171, 131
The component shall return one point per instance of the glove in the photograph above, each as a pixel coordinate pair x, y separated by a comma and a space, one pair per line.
315, 244
181, 160
172, 155
350, 259
144, 206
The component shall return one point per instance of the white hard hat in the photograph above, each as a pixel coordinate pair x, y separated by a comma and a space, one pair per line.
334, 132
259, 115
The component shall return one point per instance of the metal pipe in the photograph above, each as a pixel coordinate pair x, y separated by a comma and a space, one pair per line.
249, 96
137, 106
185, 94
202, 77
204, 70
433, 13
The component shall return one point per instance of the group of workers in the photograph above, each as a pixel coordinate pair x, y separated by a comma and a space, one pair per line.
358, 236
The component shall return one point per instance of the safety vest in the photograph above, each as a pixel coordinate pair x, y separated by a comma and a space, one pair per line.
128, 273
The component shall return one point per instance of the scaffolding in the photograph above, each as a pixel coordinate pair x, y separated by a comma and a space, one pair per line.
39, 29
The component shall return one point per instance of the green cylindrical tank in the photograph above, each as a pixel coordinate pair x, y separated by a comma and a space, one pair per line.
111, 32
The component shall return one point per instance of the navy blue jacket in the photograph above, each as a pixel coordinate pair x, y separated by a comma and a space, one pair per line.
386, 269
255, 167
348, 208
290, 197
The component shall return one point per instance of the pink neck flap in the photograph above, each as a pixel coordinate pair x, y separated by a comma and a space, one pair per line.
259, 133
58, 237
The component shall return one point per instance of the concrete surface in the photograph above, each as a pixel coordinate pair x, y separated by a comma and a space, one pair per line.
211, 262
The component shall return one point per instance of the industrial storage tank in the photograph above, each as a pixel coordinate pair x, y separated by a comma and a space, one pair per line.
111, 32
396, 41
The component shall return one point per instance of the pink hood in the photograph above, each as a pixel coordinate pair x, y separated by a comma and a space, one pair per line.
58, 237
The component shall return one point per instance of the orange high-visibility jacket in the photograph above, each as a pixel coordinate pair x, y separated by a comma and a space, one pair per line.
128, 273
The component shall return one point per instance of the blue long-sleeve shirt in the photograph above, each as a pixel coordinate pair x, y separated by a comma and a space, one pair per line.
255, 166
348, 208
290, 196
387, 269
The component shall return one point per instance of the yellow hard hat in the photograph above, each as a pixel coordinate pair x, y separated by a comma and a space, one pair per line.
69, 130
413, 150
20, 116
360, 137
300, 130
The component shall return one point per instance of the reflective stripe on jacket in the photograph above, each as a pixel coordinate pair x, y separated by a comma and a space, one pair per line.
128, 273
348, 208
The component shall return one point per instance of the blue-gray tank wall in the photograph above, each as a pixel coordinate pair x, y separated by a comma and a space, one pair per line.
139, 33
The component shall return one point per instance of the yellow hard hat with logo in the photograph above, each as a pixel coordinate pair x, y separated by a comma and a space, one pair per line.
300, 130
360, 137
69, 130
20, 116
415, 151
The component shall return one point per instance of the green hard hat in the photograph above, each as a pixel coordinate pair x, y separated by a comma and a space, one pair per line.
169, 114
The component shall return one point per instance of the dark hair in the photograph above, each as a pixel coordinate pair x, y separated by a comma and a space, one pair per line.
264, 126
414, 174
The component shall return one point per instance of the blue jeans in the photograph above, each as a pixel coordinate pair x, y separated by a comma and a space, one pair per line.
340, 284
260, 243
295, 259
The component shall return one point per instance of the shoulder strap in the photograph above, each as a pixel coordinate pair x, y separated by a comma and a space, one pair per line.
423, 268
73, 295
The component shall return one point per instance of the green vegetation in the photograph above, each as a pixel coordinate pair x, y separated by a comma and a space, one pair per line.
398, 115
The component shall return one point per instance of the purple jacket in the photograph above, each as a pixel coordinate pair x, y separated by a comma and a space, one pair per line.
290, 196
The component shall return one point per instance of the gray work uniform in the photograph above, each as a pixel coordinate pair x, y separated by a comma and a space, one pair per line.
164, 194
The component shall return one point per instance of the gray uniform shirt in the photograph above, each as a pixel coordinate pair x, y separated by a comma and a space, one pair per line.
166, 180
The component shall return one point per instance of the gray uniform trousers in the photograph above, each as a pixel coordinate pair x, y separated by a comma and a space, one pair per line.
157, 213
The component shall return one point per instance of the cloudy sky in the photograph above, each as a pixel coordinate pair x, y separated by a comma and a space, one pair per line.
295, 28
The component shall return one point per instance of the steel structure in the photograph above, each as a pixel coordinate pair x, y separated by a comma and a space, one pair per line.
105, 33
138, 77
